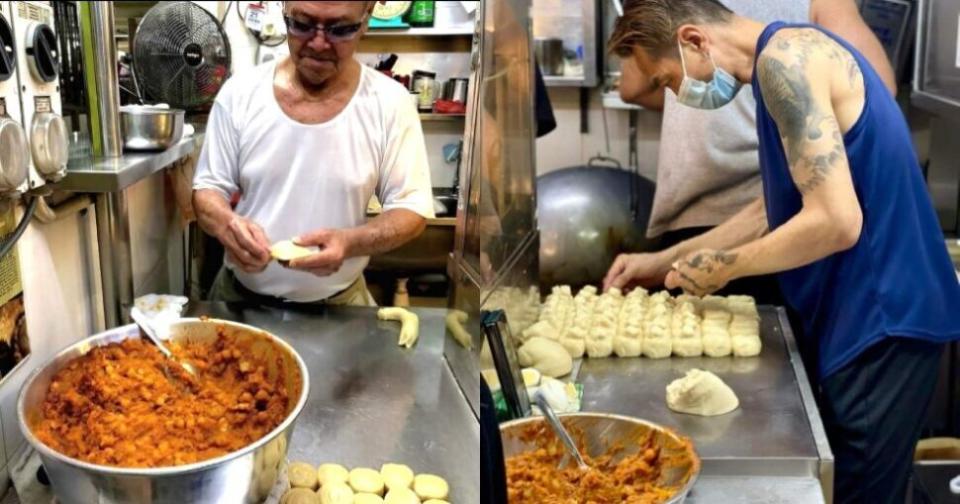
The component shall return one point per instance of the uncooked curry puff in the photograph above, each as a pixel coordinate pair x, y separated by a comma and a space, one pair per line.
393, 484
286, 251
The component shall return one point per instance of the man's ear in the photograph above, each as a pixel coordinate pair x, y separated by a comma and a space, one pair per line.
692, 36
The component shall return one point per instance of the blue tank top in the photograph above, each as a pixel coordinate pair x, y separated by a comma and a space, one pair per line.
898, 279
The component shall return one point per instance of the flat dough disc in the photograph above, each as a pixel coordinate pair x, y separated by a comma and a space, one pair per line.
286, 250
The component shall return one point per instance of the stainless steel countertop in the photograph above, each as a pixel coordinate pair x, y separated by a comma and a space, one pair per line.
771, 434
756, 490
371, 401
112, 174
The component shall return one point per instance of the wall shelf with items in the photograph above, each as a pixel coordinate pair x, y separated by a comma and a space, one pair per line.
565, 41
424, 32
424, 116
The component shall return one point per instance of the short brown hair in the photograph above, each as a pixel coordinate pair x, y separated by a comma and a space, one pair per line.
652, 24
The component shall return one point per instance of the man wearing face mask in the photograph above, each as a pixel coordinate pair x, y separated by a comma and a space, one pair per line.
847, 223
701, 186
306, 141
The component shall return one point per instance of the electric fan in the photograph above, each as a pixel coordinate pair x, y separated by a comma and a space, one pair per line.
181, 55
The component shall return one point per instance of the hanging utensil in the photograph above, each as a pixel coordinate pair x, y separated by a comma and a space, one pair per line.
560, 431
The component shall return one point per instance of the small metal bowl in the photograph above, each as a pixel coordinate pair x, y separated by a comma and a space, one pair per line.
245, 476
149, 128
603, 432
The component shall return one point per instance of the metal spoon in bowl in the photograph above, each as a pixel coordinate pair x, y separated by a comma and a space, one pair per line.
560, 431
146, 327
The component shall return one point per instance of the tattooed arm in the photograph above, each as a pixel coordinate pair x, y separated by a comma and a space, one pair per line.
795, 80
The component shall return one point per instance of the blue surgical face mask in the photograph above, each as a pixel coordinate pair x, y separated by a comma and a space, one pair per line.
707, 95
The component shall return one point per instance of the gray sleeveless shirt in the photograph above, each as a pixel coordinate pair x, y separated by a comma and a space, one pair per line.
708, 168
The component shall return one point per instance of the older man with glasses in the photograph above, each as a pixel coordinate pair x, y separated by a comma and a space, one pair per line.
306, 141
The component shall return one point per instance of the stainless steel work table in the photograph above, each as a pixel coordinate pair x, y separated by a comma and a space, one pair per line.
771, 449
371, 401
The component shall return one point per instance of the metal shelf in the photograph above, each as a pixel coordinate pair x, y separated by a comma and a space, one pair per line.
562, 81
422, 32
442, 117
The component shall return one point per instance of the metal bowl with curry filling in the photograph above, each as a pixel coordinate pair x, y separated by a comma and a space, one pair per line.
631, 460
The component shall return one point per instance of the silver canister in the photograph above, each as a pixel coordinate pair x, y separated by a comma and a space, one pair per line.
425, 84
455, 90
549, 52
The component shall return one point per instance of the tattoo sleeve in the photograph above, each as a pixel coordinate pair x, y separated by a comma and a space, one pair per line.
811, 136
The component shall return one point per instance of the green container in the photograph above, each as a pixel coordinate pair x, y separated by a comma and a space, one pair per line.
421, 13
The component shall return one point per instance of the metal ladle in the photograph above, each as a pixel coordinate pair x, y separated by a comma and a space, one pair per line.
560, 431
146, 327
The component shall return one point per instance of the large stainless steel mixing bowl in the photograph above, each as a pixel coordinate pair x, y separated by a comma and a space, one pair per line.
244, 476
604, 432
146, 128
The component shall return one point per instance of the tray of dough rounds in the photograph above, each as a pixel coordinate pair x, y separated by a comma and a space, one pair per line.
776, 431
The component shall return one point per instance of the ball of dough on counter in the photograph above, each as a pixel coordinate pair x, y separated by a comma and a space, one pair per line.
336, 493
302, 475
366, 480
332, 473
542, 329
401, 496
701, 393
430, 486
399, 475
549, 357
300, 496
365, 498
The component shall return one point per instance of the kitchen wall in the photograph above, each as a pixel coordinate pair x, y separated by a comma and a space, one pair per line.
566, 146
60, 296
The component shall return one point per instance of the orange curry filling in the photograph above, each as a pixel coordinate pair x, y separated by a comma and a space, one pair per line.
534, 478
117, 406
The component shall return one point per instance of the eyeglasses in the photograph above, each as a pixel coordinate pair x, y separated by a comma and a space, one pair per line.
335, 33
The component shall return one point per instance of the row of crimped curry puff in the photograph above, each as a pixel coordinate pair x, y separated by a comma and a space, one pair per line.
334, 484
653, 325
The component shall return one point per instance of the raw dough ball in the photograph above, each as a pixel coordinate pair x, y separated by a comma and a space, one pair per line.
302, 475
336, 493
365, 498
549, 357
701, 393
286, 250
300, 496
401, 496
332, 473
365, 480
429, 486
542, 329
399, 475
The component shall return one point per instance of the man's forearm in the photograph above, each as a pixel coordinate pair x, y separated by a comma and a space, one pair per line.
809, 236
213, 211
747, 225
385, 232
